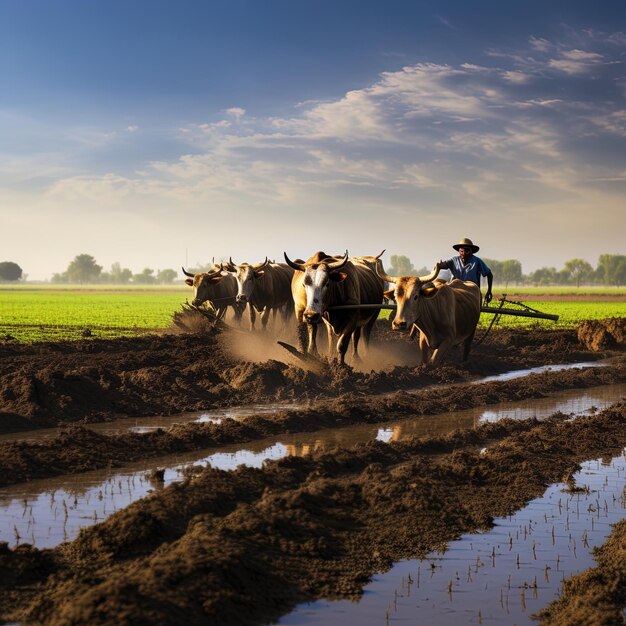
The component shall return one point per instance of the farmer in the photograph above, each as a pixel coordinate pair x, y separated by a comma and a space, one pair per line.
466, 266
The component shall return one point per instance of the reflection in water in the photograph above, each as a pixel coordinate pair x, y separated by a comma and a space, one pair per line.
499, 577
48, 512
150, 424
539, 370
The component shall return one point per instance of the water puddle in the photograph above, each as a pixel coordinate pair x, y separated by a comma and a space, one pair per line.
47, 512
539, 370
150, 424
499, 577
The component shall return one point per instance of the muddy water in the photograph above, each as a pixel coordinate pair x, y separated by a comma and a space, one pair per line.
147, 424
498, 577
152, 423
49, 511
538, 370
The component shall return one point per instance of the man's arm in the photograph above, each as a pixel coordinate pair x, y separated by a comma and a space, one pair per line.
488, 295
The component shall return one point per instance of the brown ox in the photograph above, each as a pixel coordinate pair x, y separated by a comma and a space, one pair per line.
446, 314
265, 287
220, 291
323, 282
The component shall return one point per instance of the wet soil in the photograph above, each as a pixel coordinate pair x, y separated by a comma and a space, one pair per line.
77, 448
246, 546
597, 595
48, 384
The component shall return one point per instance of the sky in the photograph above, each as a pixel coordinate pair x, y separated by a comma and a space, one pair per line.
162, 133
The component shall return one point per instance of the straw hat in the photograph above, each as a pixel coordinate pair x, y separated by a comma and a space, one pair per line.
466, 243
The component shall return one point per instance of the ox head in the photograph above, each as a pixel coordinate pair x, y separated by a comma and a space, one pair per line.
203, 284
319, 272
409, 293
246, 276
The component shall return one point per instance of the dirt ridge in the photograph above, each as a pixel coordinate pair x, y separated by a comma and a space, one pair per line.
243, 547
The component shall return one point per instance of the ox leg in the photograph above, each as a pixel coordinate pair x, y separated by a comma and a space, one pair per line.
286, 313
440, 352
356, 336
467, 345
312, 348
330, 339
252, 317
265, 317
342, 346
367, 329
425, 350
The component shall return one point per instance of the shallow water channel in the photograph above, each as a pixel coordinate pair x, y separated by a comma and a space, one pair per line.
152, 423
498, 577
49, 511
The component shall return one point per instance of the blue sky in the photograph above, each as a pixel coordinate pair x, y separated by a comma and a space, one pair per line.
158, 133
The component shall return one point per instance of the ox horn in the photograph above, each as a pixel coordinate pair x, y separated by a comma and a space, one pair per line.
432, 275
230, 266
186, 273
296, 266
381, 254
382, 274
260, 266
335, 265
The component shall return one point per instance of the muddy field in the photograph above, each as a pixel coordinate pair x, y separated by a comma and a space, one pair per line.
244, 547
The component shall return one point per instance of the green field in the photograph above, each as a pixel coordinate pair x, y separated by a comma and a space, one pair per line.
45, 313
52, 314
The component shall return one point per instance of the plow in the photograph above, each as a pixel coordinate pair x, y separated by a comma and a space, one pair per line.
505, 307
514, 307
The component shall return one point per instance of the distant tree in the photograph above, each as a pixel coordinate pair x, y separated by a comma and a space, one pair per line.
544, 276
511, 270
578, 270
166, 276
145, 278
496, 269
120, 275
60, 277
83, 269
401, 266
612, 269
10, 271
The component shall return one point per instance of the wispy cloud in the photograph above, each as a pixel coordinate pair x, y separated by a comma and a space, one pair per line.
523, 133
425, 126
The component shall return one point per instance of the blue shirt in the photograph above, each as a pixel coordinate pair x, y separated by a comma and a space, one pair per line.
471, 271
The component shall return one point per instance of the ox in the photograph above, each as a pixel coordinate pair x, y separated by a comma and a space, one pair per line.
220, 291
446, 314
323, 282
265, 287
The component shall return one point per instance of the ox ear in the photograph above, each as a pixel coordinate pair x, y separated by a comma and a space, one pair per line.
389, 294
338, 277
189, 282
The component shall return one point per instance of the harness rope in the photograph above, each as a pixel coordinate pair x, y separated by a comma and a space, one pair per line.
495, 319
